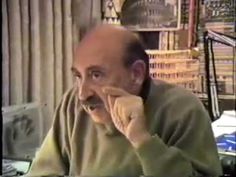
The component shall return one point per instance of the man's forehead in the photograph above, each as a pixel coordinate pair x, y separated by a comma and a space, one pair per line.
105, 44
107, 35
100, 50
97, 43
108, 31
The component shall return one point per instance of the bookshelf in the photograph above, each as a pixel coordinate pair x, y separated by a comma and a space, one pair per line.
216, 15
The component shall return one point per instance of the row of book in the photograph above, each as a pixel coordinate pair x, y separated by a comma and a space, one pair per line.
218, 16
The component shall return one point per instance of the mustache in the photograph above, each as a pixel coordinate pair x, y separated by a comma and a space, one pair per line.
93, 100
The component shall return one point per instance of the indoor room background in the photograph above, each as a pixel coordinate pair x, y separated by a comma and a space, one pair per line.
38, 37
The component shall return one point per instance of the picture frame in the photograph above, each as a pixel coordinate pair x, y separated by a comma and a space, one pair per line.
155, 15
22, 130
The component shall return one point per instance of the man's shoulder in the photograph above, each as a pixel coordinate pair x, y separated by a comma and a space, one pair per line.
68, 110
171, 93
175, 103
69, 93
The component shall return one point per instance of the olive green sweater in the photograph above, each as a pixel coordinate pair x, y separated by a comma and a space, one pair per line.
182, 144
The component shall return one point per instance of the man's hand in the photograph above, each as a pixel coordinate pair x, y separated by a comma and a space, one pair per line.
127, 112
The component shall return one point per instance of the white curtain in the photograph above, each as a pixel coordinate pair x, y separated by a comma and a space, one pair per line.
37, 46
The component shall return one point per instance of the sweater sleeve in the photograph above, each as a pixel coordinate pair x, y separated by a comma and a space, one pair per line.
186, 147
48, 161
54, 153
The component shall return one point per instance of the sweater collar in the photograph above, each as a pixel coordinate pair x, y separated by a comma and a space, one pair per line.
145, 89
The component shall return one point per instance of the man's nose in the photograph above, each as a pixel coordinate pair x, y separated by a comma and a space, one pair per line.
84, 91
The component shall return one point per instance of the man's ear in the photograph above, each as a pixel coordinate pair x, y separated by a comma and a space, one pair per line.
138, 69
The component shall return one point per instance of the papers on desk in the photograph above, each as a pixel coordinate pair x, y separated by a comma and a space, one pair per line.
8, 169
225, 132
15, 167
226, 124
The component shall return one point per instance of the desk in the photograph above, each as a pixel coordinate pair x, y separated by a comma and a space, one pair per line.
15, 167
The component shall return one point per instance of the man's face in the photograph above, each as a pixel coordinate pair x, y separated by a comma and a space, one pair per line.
94, 69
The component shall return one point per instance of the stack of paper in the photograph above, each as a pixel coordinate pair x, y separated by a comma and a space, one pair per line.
8, 169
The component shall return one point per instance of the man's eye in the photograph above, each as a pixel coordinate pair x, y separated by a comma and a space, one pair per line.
96, 75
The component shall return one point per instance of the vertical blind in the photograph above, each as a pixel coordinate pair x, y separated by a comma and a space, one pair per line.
37, 46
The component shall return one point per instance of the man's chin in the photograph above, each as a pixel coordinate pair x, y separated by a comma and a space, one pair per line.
100, 120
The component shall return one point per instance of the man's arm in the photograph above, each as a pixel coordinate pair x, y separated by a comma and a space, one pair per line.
48, 160
54, 153
185, 146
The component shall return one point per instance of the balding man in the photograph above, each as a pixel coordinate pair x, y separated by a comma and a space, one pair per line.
117, 121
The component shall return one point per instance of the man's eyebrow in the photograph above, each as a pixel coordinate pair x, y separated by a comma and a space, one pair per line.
96, 68
75, 71
91, 68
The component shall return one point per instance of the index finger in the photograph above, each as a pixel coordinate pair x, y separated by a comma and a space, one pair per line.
114, 91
